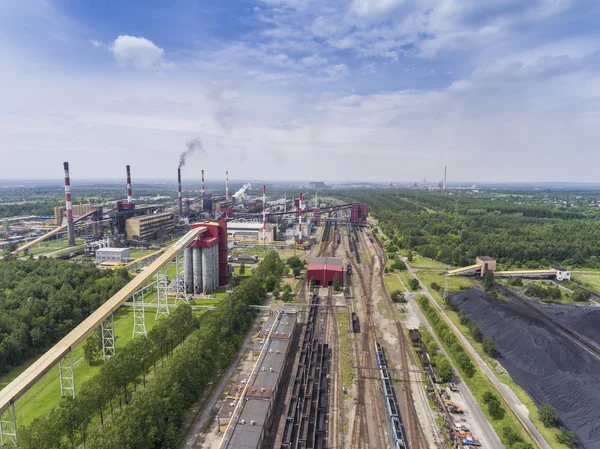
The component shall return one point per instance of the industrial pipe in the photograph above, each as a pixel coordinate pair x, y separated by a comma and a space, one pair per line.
179, 192
69, 204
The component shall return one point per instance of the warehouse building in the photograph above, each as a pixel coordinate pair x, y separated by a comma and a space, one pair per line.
324, 270
112, 255
250, 231
150, 227
255, 402
358, 214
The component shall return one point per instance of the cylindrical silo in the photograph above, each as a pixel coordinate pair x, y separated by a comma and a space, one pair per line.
207, 270
188, 271
216, 265
198, 270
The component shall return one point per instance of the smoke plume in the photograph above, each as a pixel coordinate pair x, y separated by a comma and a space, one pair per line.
191, 147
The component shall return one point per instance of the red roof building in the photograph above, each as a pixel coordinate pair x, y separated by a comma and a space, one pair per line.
324, 270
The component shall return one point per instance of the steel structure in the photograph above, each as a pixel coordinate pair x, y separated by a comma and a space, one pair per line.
8, 427
66, 373
162, 295
62, 349
139, 317
108, 337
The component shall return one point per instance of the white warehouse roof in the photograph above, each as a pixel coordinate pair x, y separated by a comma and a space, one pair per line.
247, 226
112, 250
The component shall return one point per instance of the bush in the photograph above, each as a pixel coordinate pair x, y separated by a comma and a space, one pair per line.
462, 316
517, 282
397, 296
494, 406
399, 265
511, 436
548, 415
413, 284
489, 346
475, 331
443, 368
567, 438
435, 286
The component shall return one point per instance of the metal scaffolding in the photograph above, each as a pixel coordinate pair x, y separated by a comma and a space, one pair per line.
181, 294
108, 337
66, 371
8, 427
139, 318
162, 293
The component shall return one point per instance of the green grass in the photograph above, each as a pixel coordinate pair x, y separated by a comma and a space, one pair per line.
590, 279
45, 394
425, 263
248, 271
139, 253
406, 277
454, 282
205, 302
346, 352
393, 283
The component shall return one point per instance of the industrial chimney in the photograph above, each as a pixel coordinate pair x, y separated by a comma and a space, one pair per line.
179, 204
227, 186
129, 195
264, 214
69, 204
202, 193
300, 219
445, 170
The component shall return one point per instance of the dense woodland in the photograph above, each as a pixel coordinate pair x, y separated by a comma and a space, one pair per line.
42, 300
147, 412
455, 228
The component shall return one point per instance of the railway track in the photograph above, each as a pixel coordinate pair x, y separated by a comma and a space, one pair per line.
416, 438
362, 436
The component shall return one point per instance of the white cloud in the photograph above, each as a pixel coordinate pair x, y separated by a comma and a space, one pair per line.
137, 51
373, 7
96, 43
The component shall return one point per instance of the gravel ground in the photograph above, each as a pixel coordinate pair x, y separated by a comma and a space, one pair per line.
543, 361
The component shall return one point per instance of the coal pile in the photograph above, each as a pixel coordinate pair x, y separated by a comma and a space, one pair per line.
544, 362
584, 320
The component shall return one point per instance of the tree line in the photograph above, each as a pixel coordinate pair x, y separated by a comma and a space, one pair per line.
194, 353
42, 300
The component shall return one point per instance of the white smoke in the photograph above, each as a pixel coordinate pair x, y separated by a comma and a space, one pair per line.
242, 191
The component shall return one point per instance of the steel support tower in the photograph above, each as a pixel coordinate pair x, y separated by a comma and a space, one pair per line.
162, 292
139, 317
181, 294
66, 371
8, 427
108, 338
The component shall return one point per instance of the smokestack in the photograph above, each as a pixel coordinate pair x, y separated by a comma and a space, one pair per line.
202, 192
264, 214
227, 186
129, 195
300, 220
445, 170
179, 192
69, 203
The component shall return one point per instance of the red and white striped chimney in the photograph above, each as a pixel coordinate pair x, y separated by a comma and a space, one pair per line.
69, 204
300, 220
227, 185
264, 214
202, 192
129, 195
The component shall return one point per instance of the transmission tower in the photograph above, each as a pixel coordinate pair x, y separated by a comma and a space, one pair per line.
162, 298
108, 337
139, 317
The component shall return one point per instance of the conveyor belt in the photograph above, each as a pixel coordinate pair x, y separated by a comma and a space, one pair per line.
464, 269
31, 375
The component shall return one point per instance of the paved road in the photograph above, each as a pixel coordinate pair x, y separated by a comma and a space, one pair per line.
509, 395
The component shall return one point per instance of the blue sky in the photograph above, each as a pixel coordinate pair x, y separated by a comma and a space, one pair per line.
385, 90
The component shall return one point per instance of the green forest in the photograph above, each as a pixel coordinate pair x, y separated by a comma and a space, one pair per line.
42, 300
455, 228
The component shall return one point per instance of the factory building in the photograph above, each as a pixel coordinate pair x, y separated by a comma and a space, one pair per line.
358, 214
324, 270
112, 255
255, 403
250, 230
149, 227
205, 262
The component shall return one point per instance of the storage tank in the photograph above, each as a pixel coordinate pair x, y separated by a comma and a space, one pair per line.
207, 270
216, 265
198, 270
188, 271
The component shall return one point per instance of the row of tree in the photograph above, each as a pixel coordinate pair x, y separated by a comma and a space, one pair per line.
42, 300
442, 227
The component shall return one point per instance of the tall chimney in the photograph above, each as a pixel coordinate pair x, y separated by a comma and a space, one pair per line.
445, 170
264, 214
179, 192
202, 192
227, 185
129, 195
69, 204
300, 220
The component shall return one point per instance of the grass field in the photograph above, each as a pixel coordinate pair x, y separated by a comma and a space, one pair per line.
589, 279
139, 253
346, 354
393, 283
45, 394
247, 272
454, 282
426, 264
406, 277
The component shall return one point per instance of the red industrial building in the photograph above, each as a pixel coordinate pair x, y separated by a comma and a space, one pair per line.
210, 266
324, 270
358, 214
